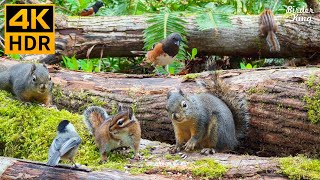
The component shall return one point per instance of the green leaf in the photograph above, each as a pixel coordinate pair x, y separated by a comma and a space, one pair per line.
255, 66
248, 66
194, 53
15, 56
242, 66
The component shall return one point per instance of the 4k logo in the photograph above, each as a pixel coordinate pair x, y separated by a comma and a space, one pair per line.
29, 29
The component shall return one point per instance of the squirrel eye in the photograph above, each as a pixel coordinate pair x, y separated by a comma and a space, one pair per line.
120, 122
34, 78
184, 104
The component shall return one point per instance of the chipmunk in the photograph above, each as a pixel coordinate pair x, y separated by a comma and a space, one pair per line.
29, 82
111, 132
216, 119
268, 27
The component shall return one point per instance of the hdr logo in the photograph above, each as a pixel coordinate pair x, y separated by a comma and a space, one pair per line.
29, 29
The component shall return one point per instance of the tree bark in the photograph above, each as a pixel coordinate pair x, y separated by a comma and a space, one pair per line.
118, 36
278, 123
239, 166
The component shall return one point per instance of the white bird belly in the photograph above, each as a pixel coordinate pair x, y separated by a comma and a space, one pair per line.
164, 59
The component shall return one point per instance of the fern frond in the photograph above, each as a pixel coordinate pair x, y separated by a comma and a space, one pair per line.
160, 26
216, 17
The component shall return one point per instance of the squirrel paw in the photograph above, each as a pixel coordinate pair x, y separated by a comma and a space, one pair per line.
207, 151
190, 145
174, 150
183, 155
137, 157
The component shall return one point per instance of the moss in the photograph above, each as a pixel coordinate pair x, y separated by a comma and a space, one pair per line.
208, 168
313, 99
172, 157
28, 130
300, 167
82, 99
255, 91
192, 76
140, 169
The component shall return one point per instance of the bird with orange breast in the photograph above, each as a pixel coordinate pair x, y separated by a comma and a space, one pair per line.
164, 52
92, 10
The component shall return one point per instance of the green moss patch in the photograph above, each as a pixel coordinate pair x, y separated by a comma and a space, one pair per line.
300, 167
190, 77
208, 168
313, 99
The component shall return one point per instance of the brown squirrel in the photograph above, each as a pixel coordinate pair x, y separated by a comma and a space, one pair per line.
112, 132
29, 82
204, 121
268, 27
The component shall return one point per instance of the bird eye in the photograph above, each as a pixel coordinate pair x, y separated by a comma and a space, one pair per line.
184, 104
34, 78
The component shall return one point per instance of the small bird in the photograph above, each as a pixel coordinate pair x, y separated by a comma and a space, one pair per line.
92, 10
65, 145
164, 52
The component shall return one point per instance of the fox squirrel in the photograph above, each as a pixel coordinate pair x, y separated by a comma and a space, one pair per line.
208, 122
268, 27
111, 132
29, 82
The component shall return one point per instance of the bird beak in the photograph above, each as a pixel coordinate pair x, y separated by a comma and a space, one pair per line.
177, 43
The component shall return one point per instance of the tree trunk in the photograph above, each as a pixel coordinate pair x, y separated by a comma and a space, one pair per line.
278, 123
118, 36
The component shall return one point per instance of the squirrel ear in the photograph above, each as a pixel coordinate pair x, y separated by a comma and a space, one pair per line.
180, 91
44, 65
120, 108
130, 112
33, 68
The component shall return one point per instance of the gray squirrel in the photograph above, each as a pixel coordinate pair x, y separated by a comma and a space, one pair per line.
28, 81
204, 121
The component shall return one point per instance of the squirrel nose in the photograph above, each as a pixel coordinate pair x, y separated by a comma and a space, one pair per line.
174, 116
43, 86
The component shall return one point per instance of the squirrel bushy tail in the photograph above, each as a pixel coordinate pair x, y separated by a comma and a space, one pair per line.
94, 116
235, 101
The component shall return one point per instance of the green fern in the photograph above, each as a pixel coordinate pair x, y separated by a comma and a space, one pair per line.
214, 17
162, 25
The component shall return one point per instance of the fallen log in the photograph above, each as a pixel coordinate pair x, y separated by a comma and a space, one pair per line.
118, 36
278, 124
239, 166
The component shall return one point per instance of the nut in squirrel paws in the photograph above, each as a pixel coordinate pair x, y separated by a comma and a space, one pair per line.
207, 151
190, 145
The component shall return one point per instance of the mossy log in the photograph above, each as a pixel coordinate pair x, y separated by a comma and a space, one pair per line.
18, 169
278, 124
118, 36
239, 166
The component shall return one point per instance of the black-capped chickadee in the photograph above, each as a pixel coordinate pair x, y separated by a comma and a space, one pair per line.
65, 145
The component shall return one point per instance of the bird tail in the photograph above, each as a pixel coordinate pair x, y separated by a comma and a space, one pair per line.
94, 116
139, 53
54, 159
